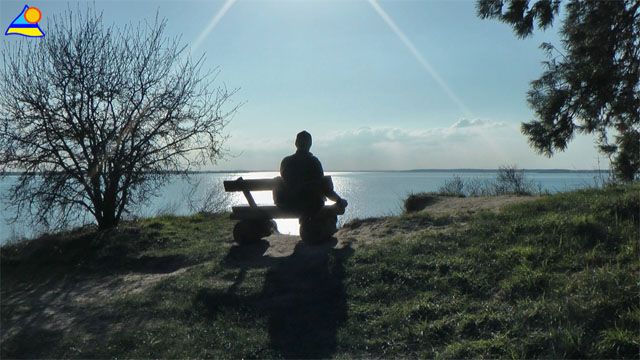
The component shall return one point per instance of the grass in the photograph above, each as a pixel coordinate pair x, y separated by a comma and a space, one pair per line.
554, 277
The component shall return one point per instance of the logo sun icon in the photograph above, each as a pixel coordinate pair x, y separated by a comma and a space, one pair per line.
26, 24
32, 15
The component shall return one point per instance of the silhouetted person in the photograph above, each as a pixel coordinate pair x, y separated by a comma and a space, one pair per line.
304, 189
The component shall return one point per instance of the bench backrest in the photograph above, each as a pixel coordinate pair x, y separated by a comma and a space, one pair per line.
241, 184
248, 185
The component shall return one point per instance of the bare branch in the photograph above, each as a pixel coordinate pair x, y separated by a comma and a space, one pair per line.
114, 113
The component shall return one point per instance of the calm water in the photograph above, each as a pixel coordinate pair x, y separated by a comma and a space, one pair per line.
369, 193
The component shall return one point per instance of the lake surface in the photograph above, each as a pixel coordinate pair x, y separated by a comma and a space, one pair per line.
371, 193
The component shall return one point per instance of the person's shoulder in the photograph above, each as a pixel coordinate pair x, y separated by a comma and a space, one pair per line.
288, 161
315, 161
288, 158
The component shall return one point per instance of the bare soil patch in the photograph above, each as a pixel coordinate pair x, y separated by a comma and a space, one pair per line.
63, 303
375, 229
452, 205
362, 231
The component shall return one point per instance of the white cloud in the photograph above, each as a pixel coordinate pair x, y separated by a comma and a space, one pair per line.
397, 148
460, 130
467, 143
476, 123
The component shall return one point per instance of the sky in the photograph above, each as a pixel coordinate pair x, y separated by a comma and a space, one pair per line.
380, 84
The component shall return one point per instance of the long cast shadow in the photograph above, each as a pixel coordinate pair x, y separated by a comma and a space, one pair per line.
303, 296
307, 301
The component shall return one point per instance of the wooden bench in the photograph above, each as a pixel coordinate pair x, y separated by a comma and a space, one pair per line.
257, 222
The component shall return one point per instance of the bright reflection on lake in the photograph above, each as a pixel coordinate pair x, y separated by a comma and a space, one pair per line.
372, 193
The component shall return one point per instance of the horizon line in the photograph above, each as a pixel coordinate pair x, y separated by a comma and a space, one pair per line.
416, 170
13, 173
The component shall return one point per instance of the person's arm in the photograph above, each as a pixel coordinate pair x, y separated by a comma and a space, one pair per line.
287, 172
318, 172
283, 167
330, 193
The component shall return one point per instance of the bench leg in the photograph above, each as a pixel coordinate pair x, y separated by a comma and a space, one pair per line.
251, 231
318, 229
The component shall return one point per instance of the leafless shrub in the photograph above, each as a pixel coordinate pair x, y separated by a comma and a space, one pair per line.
453, 187
474, 187
168, 209
214, 200
511, 180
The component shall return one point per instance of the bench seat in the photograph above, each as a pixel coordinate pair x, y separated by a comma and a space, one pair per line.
273, 212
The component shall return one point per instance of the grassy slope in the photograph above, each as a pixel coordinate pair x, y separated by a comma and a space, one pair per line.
557, 277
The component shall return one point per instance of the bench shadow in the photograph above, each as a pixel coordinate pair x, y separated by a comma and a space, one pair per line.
303, 296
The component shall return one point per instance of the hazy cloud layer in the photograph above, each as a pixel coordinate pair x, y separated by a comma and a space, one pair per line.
460, 130
475, 123
467, 143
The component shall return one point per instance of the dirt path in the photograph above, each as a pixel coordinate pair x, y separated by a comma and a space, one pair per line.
59, 304
448, 204
375, 229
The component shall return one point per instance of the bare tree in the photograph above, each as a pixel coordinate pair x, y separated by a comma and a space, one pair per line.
99, 117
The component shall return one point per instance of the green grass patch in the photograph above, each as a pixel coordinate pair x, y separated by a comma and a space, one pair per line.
552, 278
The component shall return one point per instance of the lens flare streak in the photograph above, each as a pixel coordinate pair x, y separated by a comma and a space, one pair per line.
212, 24
416, 53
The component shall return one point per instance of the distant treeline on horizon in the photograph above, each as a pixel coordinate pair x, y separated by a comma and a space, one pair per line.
464, 170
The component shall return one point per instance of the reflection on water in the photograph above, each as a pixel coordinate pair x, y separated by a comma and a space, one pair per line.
285, 226
369, 193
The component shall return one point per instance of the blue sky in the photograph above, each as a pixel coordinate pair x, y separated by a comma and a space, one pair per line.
381, 85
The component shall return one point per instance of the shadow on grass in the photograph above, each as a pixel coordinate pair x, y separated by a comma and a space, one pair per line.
55, 286
31, 344
302, 297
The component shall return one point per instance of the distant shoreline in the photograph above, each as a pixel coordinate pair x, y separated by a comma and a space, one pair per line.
463, 170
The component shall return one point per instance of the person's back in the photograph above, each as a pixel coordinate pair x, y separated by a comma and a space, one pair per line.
302, 176
300, 169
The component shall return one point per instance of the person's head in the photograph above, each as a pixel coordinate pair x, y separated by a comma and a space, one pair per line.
303, 141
